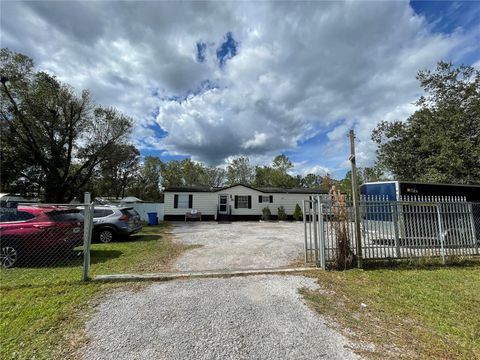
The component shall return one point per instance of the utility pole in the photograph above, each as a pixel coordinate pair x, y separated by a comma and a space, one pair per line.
356, 200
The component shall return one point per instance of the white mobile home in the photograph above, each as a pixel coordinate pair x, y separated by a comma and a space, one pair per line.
238, 202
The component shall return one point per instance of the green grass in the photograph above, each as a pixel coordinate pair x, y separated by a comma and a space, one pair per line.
427, 312
42, 310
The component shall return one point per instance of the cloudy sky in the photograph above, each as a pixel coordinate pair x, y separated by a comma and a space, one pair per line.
213, 80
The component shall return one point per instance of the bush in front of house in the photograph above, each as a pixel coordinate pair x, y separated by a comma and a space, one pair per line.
282, 215
266, 213
297, 213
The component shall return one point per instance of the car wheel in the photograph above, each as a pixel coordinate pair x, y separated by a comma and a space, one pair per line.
105, 235
8, 256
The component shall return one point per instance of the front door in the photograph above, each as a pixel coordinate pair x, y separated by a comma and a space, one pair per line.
223, 204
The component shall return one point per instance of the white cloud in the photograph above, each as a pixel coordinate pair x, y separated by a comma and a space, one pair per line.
322, 64
301, 68
302, 168
258, 140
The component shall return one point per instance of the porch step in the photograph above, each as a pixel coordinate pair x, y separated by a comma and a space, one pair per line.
224, 218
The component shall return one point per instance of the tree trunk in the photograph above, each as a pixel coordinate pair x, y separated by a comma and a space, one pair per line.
55, 191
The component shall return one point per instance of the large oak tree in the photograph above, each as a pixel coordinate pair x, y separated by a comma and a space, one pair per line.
50, 136
440, 142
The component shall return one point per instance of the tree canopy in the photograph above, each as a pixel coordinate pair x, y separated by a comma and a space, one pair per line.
440, 142
239, 171
189, 173
364, 174
118, 173
50, 136
147, 182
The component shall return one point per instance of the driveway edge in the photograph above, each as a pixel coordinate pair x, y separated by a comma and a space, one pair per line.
199, 274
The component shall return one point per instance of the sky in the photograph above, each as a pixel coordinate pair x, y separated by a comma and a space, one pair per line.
216, 80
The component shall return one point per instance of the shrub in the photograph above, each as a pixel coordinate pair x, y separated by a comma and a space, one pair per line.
266, 214
297, 213
345, 255
282, 215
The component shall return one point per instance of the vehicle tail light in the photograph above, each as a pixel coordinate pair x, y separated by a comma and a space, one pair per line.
123, 218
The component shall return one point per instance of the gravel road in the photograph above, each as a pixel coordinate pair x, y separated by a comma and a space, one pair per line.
258, 317
239, 245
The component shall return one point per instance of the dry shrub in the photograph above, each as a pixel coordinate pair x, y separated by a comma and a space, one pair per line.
345, 256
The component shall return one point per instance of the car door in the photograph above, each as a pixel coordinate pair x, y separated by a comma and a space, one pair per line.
19, 226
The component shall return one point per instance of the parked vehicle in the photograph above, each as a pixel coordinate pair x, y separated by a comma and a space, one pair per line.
111, 222
29, 231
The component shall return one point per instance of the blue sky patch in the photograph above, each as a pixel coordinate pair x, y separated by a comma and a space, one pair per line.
227, 50
317, 151
447, 16
450, 16
157, 129
161, 154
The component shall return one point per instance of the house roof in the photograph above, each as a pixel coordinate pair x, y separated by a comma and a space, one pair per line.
189, 189
270, 190
292, 190
131, 199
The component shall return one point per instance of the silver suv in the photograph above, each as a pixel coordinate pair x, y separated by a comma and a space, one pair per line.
111, 222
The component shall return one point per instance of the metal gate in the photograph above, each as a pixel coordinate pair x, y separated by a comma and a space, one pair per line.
313, 222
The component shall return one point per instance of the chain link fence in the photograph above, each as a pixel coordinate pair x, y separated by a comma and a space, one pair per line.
45, 236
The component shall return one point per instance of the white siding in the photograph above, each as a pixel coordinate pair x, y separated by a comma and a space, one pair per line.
144, 208
288, 201
206, 202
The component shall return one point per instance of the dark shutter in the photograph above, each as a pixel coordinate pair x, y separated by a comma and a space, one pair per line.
190, 201
249, 202
260, 198
175, 201
271, 198
236, 202
310, 198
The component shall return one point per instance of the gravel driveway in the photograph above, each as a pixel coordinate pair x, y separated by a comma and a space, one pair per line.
239, 245
258, 317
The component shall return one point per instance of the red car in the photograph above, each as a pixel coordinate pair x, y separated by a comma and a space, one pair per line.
33, 231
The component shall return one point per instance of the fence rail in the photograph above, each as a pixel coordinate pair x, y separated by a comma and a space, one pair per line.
412, 227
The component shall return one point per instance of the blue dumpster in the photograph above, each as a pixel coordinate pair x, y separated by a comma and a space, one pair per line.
152, 218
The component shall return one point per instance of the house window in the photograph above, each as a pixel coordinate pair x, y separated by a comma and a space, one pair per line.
265, 198
242, 202
183, 202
